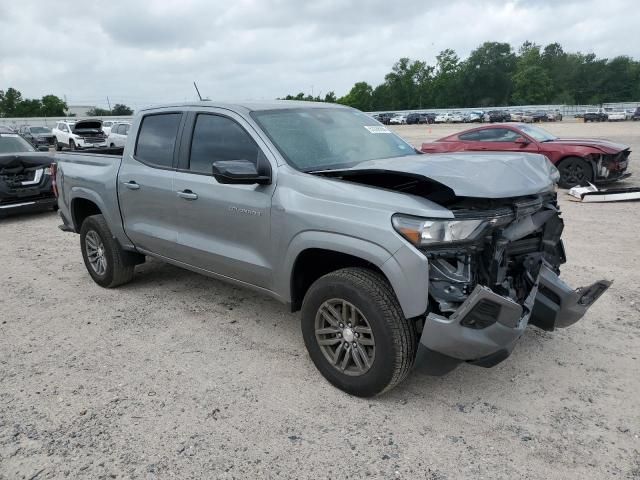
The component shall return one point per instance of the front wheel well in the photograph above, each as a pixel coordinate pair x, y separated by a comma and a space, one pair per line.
81, 208
313, 263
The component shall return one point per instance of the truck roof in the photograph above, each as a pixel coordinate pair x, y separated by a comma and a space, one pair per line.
249, 106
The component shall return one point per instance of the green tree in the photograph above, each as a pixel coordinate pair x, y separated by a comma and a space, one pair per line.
487, 74
98, 112
531, 82
330, 97
10, 102
28, 108
447, 91
121, 110
360, 97
53, 106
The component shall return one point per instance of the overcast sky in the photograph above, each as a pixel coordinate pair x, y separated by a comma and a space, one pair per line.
144, 52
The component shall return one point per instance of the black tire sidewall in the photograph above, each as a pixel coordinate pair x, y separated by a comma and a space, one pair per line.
91, 224
586, 165
378, 377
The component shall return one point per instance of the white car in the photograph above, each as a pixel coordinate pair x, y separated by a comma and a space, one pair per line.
617, 116
107, 124
118, 135
443, 118
78, 135
456, 117
398, 120
516, 116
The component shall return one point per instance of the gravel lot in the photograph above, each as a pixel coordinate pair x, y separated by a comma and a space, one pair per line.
180, 376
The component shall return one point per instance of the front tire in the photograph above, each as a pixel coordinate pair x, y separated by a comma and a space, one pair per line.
355, 332
574, 171
107, 263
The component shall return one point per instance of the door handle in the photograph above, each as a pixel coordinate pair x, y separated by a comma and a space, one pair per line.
188, 195
131, 185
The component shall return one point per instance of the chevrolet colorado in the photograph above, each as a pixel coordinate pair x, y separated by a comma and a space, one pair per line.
394, 258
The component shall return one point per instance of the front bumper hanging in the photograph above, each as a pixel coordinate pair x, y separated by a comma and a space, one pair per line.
485, 328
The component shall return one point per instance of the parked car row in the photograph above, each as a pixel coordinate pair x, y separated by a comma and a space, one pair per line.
607, 115
476, 116
74, 135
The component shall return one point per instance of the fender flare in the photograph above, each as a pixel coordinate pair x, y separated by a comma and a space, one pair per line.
115, 224
405, 283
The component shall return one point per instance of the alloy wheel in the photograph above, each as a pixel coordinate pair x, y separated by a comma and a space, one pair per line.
95, 252
345, 337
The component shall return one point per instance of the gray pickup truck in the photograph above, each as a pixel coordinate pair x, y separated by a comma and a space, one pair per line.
395, 259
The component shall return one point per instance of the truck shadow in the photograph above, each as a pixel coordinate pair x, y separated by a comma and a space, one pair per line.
258, 317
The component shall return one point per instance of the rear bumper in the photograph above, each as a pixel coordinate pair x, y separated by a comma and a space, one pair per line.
27, 206
447, 342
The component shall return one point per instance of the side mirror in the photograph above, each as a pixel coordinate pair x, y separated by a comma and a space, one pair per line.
522, 141
43, 148
239, 172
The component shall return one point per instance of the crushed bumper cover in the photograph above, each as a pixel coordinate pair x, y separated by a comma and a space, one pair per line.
484, 330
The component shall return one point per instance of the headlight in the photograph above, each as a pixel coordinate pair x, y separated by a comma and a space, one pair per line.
425, 231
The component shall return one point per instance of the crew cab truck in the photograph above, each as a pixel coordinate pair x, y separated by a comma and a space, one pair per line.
394, 258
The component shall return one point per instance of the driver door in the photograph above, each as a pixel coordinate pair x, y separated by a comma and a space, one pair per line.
223, 228
498, 140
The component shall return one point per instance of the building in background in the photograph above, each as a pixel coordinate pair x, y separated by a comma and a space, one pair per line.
79, 110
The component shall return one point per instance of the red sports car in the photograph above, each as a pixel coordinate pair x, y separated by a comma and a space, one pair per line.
578, 160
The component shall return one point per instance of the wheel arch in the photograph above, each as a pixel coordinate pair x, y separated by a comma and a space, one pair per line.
313, 254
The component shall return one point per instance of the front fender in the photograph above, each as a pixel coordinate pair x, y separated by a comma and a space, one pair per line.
406, 269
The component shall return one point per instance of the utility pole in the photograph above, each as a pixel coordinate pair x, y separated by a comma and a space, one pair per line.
109, 103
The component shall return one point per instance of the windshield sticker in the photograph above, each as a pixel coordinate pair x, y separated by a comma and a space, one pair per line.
377, 129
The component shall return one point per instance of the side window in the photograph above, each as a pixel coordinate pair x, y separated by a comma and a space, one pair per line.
119, 129
157, 139
64, 128
219, 138
469, 137
125, 129
504, 135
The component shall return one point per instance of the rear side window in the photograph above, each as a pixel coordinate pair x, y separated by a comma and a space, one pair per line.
157, 139
219, 138
471, 136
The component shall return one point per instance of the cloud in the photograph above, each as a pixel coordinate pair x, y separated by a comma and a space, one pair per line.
140, 52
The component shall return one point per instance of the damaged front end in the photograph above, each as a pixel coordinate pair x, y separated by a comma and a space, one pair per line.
610, 167
486, 287
25, 183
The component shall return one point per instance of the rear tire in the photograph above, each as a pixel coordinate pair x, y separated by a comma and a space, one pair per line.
574, 171
367, 346
107, 263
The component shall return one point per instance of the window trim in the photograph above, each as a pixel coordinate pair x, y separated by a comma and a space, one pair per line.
176, 145
184, 161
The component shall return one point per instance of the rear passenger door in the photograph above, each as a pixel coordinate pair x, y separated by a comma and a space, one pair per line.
223, 228
145, 184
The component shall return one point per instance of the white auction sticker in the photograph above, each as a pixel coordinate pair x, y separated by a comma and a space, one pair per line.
377, 129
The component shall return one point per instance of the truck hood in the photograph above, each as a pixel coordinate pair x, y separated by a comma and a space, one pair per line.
467, 174
602, 145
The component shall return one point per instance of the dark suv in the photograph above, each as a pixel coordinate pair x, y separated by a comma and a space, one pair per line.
414, 118
37, 136
636, 114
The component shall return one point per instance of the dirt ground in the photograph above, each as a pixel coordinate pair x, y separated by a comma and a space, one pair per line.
180, 376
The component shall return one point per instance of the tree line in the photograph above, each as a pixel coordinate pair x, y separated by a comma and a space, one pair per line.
495, 74
13, 105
